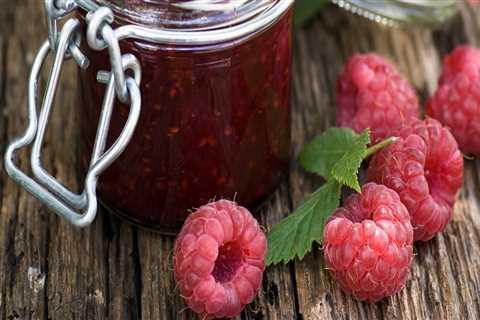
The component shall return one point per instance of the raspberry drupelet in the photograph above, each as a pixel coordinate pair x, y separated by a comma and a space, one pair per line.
456, 103
368, 243
219, 259
371, 93
425, 167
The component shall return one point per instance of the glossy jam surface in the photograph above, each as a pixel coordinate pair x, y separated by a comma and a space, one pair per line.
215, 123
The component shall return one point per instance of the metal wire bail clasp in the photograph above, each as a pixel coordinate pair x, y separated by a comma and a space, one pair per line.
78, 209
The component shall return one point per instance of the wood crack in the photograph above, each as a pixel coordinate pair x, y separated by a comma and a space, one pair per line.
107, 232
291, 266
45, 293
295, 289
137, 275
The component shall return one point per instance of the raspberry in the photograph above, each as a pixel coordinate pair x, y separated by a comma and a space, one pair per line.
219, 259
371, 93
425, 167
456, 103
368, 243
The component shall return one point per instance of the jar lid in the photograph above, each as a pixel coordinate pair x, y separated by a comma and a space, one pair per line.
187, 14
236, 21
391, 12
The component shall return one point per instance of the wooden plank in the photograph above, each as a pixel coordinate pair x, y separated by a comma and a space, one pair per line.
23, 224
123, 280
52, 270
112, 270
7, 22
159, 297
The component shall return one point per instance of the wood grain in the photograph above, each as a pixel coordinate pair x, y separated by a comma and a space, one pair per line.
112, 270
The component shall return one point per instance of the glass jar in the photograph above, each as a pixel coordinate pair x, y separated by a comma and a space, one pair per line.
215, 118
421, 12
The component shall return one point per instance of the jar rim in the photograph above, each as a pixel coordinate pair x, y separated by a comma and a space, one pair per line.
198, 36
189, 15
395, 12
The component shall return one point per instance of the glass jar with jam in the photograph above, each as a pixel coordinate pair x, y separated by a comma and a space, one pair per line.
215, 105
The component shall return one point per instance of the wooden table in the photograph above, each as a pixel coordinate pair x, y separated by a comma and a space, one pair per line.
50, 270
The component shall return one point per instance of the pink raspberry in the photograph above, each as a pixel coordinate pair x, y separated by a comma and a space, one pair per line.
368, 243
456, 103
425, 167
371, 93
219, 259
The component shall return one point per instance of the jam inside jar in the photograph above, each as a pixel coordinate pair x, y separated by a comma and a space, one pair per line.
215, 119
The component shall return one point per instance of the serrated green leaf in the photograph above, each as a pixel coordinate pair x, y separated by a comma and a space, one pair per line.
293, 236
322, 153
307, 9
346, 169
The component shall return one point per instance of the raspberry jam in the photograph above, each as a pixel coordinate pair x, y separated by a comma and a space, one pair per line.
215, 122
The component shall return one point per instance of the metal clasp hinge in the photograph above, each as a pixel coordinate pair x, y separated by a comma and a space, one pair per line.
78, 209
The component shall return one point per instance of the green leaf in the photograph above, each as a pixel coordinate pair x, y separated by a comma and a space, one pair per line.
337, 156
345, 170
307, 9
322, 153
293, 236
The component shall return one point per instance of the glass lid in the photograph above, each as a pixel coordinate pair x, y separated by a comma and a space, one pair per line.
426, 12
188, 14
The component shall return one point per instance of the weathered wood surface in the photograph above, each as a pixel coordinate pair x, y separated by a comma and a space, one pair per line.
49, 270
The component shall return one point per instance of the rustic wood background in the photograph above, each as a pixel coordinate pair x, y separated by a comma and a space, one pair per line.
50, 270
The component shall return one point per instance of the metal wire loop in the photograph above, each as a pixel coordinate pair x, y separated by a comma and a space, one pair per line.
51, 23
55, 10
100, 35
75, 52
78, 209
129, 62
116, 63
76, 201
59, 8
96, 20
80, 214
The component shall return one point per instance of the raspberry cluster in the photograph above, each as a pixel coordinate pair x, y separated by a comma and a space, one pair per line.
425, 167
371, 93
421, 172
219, 259
368, 243
456, 103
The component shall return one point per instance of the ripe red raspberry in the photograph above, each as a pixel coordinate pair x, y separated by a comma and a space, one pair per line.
368, 243
456, 103
219, 259
425, 167
371, 93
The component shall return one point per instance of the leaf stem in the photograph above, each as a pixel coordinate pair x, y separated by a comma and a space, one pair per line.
379, 146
